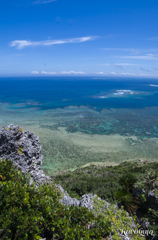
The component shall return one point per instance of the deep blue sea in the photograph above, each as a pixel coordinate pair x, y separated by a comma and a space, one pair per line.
88, 105
50, 93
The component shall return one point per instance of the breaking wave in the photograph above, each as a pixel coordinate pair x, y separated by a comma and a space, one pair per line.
153, 85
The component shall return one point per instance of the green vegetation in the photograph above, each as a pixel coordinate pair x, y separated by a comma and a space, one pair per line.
28, 212
125, 196
115, 184
149, 206
20, 150
118, 218
103, 181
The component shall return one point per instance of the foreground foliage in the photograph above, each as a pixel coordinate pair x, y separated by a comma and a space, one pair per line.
149, 205
125, 196
119, 219
27, 212
115, 184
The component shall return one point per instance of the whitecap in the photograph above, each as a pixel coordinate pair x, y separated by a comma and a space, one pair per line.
122, 92
103, 97
153, 85
126, 91
118, 93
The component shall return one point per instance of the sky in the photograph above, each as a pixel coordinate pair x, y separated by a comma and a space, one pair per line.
79, 38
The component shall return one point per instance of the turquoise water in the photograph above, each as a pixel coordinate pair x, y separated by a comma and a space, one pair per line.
84, 107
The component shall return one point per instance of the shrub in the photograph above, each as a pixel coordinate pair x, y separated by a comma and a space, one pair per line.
28, 212
125, 196
104, 181
119, 219
100, 180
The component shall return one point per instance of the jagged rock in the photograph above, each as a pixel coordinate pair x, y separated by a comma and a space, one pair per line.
66, 199
87, 200
24, 149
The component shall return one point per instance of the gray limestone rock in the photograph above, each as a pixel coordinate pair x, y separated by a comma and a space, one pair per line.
66, 199
24, 149
87, 201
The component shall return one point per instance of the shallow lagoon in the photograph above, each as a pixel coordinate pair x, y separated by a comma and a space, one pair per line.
103, 122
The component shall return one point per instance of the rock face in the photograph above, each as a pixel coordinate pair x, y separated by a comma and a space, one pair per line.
24, 149
66, 199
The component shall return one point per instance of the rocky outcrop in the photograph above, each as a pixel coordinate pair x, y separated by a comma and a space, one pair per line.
66, 199
24, 149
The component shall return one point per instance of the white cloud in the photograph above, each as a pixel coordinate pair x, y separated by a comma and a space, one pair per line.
48, 73
63, 72
124, 64
43, 1
101, 73
144, 75
132, 50
128, 74
141, 57
118, 49
72, 72
118, 64
34, 72
26, 43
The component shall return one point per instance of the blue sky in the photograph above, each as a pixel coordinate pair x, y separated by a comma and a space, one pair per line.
85, 37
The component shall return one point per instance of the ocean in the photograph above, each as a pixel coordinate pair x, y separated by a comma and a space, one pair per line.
83, 120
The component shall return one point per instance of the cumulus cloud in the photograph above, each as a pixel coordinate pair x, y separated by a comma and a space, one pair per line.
48, 73
43, 1
128, 74
63, 72
101, 73
19, 44
34, 72
72, 72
